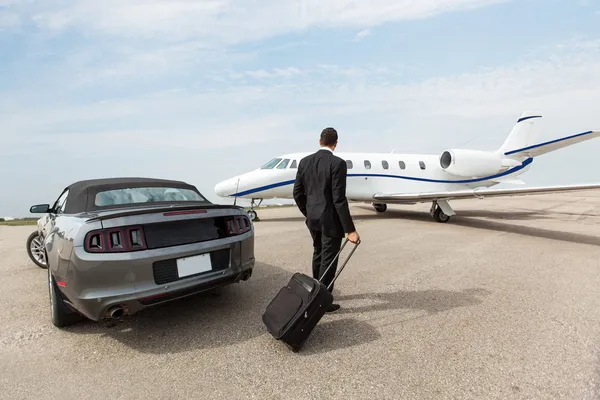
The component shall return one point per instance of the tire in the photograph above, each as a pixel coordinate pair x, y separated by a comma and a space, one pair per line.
252, 215
61, 314
439, 216
380, 208
35, 250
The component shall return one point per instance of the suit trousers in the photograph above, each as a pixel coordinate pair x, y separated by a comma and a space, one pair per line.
325, 249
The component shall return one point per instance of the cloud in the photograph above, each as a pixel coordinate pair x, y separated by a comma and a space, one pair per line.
139, 42
228, 21
261, 110
362, 34
9, 21
163, 83
262, 74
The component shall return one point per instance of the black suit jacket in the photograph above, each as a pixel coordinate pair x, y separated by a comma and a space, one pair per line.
320, 194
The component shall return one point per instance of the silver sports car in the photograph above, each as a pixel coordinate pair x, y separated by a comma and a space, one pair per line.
116, 246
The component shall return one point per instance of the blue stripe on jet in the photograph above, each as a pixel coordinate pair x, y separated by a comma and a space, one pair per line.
547, 143
263, 188
291, 182
530, 117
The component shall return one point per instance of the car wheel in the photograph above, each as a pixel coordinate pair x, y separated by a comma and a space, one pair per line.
61, 314
35, 250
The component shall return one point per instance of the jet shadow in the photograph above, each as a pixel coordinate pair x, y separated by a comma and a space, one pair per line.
471, 220
480, 219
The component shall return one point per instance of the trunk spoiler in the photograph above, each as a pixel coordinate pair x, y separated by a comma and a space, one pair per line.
153, 210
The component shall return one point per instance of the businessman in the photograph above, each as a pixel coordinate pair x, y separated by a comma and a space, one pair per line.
320, 194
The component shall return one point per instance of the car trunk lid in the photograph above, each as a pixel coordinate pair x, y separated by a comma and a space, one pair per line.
174, 226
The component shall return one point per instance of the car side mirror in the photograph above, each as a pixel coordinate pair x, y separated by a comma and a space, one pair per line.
39, 209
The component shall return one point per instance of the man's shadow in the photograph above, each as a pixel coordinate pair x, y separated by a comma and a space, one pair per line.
431, 301
351, 331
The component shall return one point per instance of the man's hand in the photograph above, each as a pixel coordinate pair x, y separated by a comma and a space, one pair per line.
353, 237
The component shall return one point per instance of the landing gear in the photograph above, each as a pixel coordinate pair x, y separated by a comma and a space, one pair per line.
439, 216
251, 213
441, 211
380, 207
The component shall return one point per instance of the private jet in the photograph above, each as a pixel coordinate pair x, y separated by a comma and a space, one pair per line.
387, 178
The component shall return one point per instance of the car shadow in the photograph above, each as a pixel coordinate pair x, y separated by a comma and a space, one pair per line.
221, 317
233, 315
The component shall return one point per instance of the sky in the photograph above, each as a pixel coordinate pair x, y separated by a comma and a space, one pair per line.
204, 90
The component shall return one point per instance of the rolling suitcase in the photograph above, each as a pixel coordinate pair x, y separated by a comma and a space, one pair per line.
299, 306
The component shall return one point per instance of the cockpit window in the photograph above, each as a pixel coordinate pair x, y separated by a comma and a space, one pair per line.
271, 164
294, 164
283, 164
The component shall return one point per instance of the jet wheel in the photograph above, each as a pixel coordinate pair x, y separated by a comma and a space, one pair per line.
439, 216
252, 215
380, 207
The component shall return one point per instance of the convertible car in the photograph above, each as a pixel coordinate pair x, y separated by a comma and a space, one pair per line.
115, 246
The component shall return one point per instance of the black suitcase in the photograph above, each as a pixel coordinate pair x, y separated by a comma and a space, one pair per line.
299, 306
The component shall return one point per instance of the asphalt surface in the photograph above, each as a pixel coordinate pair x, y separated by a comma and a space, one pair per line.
503, 302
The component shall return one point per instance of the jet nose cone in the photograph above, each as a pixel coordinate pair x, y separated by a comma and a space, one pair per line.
220, 189
226, 188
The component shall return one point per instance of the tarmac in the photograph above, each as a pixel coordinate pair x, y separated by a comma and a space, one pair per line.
502, 302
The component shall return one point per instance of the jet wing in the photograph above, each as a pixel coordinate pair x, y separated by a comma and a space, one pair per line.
546, 147
477, 193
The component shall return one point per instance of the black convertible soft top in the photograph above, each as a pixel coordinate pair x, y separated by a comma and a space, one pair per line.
83, 193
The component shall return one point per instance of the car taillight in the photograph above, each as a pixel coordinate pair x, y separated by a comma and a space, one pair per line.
115, 240
238, 225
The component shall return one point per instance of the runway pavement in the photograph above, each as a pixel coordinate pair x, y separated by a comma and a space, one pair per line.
503, 302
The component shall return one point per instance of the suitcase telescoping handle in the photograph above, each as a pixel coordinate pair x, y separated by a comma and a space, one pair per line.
343, 265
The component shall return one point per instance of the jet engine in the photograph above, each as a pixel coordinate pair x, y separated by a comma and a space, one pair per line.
474, 163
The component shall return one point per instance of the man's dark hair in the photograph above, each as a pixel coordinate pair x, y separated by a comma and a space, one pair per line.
329, 137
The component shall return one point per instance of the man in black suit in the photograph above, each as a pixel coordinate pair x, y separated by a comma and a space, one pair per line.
320, 194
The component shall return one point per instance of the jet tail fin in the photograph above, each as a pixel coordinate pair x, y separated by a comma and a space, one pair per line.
521, 142
523, 133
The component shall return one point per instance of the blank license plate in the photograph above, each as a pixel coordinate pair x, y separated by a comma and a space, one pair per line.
193, 265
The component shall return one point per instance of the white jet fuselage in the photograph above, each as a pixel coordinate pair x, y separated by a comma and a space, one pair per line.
388, 178
372, 173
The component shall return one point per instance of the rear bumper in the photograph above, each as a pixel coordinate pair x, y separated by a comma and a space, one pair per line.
97, 308
95, 283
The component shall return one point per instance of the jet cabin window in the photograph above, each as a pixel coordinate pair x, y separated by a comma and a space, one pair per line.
349, 164
367, 164
283, 164
385, 164
402, 164
422, 164
271, 164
